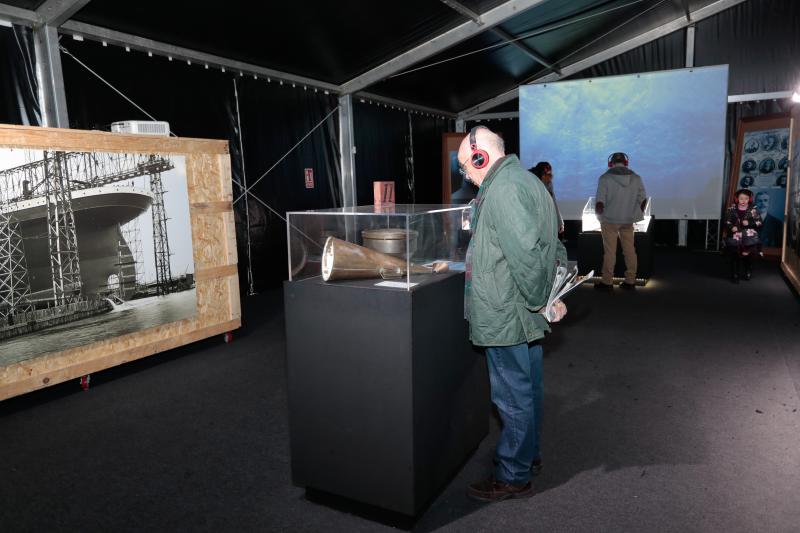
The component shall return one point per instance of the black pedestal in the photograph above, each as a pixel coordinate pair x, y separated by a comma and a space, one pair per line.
387, 398
590, 254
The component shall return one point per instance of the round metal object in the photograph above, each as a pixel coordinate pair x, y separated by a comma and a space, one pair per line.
390, 241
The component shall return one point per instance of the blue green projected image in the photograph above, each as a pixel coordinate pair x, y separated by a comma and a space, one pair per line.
670, 123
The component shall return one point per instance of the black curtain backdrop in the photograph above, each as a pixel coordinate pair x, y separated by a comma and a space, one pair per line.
760, 41
381, 141
386, 139
274, 118
201, 103
19, 88
427, 134
666, 53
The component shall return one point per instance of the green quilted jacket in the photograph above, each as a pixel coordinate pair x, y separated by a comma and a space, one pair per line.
514, 251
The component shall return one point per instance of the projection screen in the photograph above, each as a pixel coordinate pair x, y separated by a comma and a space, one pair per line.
670, 123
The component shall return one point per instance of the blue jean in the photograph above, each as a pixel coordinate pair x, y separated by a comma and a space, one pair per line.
515, 375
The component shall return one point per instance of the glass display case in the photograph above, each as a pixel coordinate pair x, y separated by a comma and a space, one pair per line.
396, 245
589, 221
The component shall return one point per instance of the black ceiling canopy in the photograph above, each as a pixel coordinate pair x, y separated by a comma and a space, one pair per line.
454, 83
25, 4
335, 42
327, 41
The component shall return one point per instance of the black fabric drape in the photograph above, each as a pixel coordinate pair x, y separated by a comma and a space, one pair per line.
401, 146
427, 133
665, 53
381, 140
760, 41
194, 101
274, 118
19, 88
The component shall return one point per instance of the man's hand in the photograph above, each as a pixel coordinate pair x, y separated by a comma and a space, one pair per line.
559, 311
599, 207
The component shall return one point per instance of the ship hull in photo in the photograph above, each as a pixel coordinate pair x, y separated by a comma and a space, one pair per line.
99, 212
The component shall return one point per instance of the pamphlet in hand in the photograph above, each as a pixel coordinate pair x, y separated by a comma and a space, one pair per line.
565, 281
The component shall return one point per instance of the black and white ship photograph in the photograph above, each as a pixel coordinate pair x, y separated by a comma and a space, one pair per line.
90, 248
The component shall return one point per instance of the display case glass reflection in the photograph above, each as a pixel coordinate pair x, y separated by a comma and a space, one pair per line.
590, 222
397, 246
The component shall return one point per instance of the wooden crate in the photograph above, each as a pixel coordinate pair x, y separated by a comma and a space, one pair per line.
208, 173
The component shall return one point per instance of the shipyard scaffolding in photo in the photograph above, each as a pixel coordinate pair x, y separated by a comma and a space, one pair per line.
14, 288
62, 238
65, 221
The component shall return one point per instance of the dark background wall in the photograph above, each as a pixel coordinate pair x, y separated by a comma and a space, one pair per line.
385, 152
18, 86
391, 144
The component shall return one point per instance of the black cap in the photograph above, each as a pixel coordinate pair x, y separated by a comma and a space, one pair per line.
619, 157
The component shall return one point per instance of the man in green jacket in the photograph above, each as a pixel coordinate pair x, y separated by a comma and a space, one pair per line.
511, 265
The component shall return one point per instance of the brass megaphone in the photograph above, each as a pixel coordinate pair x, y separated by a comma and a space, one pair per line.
345, 260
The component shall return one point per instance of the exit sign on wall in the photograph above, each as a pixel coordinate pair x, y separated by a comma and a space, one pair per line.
309, 173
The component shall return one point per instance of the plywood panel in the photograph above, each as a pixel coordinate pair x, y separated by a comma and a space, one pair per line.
208, 230
57, 138
214, 250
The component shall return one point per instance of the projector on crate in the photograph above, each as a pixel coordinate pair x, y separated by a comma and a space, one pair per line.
141, 127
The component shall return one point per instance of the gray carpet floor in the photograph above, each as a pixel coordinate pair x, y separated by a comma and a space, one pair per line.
674, 408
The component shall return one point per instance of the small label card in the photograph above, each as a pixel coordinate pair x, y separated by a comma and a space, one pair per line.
396, 284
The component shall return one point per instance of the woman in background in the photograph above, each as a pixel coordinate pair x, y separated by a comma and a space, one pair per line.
544, 172
742, 223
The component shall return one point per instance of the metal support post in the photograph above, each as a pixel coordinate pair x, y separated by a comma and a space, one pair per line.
683, 232
347, 151
52, 98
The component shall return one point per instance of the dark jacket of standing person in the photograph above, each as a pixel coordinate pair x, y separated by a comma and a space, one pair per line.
622, 194
516, 243
509, 270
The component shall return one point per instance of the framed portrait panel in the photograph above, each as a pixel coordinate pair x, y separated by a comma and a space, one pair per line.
760, 164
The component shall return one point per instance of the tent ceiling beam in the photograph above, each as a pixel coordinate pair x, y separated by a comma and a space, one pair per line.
17, 15
605, 54
500, 32
400, 103
524, 48
57, 12
143, 44
439, 43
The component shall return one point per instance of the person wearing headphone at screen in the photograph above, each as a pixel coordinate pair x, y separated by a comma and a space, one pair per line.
620, 203
544, 171
510, 269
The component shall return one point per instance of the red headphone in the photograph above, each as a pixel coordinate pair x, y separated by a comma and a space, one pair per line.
478, 158
623, 154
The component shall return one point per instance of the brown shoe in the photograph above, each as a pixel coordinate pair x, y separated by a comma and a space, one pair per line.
491, 490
